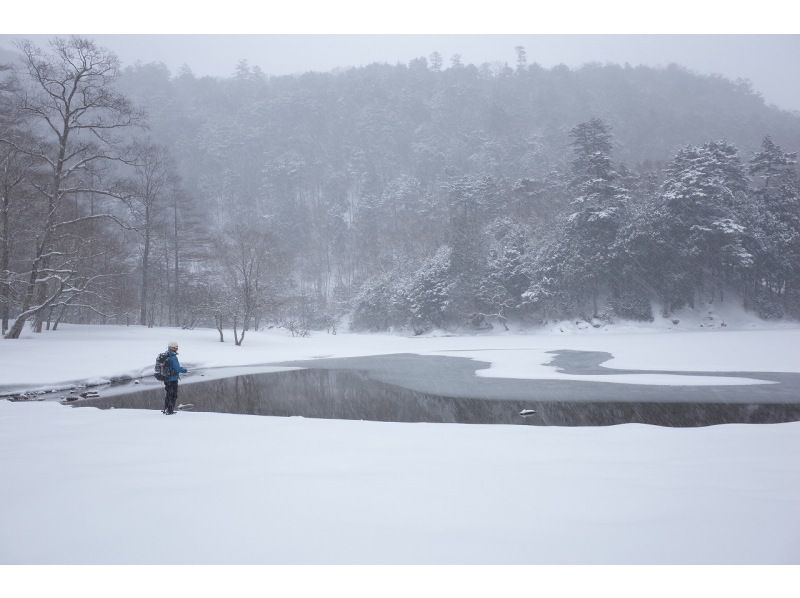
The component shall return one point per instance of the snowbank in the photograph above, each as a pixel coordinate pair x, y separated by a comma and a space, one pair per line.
119, 486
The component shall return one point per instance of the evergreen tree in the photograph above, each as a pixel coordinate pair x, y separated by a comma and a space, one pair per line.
692, 241
507, 272
772, 164
774, 216
426, 295
374, 305
583, 250
469, 199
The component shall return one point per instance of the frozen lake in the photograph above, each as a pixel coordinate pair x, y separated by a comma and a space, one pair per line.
437, 389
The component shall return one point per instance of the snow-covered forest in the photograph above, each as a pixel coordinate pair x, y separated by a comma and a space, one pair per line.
408, 196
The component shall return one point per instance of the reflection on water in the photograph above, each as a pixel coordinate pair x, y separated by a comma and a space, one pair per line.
347, 394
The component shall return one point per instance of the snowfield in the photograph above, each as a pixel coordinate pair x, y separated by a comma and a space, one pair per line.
128, 486
93, 354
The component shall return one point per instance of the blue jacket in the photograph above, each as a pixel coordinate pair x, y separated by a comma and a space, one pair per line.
175, 367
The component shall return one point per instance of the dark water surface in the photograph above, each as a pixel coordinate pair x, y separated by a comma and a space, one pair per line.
338, 393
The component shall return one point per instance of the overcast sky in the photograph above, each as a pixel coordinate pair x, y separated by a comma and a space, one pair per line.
770, 62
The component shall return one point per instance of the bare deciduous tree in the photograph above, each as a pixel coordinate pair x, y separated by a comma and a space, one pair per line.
15, 169
153, 175
69, 96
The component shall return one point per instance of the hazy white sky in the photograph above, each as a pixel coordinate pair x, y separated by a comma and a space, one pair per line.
770, 62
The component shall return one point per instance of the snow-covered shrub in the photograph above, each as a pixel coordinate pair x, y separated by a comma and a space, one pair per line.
768, 307
478, 321
426, 294
631, 305
375, 305
297, 328
791, 302
418, 300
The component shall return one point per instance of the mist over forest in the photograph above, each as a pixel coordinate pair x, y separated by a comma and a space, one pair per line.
433, 194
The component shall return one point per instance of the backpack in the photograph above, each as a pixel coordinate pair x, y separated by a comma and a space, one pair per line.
162, 371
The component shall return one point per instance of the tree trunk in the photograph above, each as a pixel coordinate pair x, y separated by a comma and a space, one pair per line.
38, 319
55, 198
218, 321
19, 322
166, 285
176, 293
145, 269
16, 329
23, 317
58, 318
4, 261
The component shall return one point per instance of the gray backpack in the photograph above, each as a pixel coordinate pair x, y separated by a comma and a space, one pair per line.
162, 371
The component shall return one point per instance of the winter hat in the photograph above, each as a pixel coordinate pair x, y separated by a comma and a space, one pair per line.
172, 345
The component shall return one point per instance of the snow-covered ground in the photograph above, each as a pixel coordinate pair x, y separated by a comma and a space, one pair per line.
93, 354
126, 486
92, 486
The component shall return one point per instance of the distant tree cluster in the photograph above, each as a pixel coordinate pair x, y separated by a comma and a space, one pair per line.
711, 225
408, 196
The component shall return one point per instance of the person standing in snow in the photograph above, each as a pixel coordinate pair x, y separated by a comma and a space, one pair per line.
171, 381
